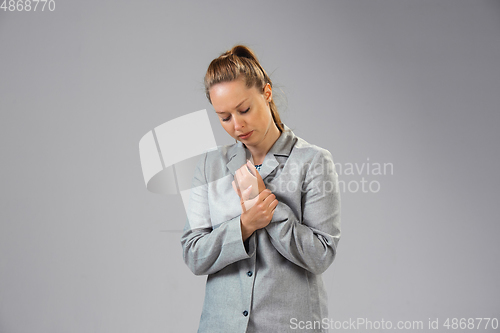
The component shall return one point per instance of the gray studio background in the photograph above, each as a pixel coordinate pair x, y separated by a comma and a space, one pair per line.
84, 247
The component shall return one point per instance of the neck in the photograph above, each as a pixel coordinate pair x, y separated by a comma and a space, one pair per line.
260, 150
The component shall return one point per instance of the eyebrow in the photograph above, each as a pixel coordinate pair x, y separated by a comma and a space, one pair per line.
237, 106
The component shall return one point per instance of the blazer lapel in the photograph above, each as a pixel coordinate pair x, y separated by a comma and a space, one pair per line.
237, 156
238, 153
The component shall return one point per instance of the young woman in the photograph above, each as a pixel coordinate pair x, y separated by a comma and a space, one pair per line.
264, 212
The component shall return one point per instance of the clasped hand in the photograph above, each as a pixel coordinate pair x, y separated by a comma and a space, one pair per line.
257, 202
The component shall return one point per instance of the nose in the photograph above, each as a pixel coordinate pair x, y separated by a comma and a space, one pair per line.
239, 123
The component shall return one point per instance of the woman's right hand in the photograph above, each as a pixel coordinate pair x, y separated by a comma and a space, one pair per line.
248, 184
260, 215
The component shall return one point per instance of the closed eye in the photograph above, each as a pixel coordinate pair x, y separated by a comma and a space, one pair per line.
242, 112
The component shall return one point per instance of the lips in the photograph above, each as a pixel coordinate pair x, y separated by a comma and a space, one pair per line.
246, 135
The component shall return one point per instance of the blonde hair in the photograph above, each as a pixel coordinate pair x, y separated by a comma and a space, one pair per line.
240, 62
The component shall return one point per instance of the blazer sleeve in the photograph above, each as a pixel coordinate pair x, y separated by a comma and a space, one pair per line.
208, 249
310, 241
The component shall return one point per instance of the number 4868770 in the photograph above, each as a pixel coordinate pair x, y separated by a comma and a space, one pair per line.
28, 5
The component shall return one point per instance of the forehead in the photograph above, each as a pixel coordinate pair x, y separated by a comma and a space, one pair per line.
226, 96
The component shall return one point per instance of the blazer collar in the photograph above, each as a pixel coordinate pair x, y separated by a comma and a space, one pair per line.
238, 154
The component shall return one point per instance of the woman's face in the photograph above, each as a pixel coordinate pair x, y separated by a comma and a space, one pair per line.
243, 112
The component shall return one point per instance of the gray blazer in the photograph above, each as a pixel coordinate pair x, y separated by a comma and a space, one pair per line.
271, 282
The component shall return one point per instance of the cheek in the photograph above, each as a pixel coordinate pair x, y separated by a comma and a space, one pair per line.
264, 117
227, 127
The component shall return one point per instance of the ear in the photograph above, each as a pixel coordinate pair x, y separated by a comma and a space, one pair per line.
268, 92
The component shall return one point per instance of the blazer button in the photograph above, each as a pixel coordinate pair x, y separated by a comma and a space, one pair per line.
249, 273
245, 313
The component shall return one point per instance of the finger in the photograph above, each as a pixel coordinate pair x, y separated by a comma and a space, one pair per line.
269, 199
251, 168
237, 181
245, 195
264, 194
246, 170
236, 188
252, 183
274, 204
236, 184
241, 178
237, 178
239, 173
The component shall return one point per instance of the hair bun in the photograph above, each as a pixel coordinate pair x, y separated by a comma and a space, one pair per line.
243, 52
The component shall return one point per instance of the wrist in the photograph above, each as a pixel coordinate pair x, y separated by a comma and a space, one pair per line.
246, 231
